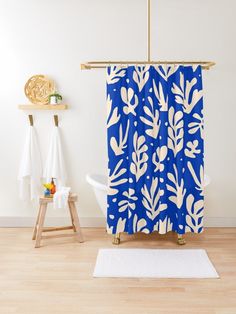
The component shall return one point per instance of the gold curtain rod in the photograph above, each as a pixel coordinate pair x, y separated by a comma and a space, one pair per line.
103, 64
206, 65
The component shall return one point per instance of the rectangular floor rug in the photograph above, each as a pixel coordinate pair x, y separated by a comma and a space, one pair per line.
154, 263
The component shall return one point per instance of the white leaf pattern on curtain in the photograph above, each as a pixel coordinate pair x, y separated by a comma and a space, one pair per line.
199, 182
165, 71
164, 226
183, 93
139, 165
114, 74
175, 130
196, 125
128, 202
191, 149
158, 157
163, 103
141, 75
139, 225
194, 218
112, 115
127, 96
155, 149
152, 121
115, 180
151, 199
118, 148
176, 188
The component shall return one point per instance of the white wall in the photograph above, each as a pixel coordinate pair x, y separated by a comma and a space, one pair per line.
53, 37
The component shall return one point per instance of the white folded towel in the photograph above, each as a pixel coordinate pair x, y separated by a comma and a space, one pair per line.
55, 166
30, 172
60, 198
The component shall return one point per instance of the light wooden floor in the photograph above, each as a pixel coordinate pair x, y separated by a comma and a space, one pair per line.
57, 278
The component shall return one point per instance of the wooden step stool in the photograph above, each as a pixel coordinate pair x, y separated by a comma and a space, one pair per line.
39, 229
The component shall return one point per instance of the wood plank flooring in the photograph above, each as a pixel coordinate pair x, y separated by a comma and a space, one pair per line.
57, 278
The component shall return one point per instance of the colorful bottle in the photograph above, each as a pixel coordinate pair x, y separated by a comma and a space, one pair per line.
47, 193
53, 188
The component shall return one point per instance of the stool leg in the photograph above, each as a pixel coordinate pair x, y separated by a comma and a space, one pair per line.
71, 216
40, 225
36, 224
76, 221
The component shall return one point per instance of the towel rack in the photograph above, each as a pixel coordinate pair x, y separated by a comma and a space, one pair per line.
31, 120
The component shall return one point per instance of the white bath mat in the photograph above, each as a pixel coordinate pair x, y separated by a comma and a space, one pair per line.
154, 263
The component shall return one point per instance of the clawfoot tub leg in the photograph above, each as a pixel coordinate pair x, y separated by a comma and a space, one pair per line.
181, 240
116, 239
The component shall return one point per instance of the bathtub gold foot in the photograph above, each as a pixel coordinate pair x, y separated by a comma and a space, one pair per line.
116, 239
181, 240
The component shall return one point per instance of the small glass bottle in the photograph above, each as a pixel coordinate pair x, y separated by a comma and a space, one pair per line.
53, 189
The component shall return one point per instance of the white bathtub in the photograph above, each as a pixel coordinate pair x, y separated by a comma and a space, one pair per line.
99, 185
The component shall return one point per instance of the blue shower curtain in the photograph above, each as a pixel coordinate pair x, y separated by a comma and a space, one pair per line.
155, 149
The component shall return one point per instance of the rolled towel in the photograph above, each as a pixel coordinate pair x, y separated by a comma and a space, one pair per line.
60, 198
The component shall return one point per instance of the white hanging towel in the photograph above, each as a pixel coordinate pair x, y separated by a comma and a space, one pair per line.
30, 172
55, 165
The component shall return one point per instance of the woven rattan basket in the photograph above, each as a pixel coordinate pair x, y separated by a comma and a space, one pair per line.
38, 88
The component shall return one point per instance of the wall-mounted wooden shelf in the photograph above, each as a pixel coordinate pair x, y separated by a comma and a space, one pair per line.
43, 107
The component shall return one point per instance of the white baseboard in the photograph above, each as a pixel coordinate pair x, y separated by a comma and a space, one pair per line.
220, 222
12, 221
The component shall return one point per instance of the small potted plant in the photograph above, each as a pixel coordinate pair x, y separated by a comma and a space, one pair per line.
55, 98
